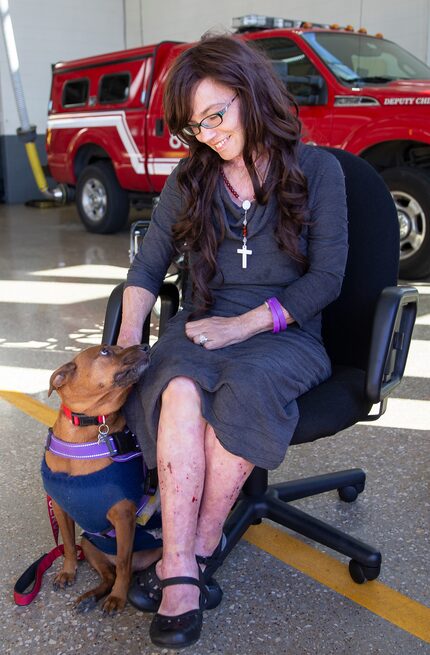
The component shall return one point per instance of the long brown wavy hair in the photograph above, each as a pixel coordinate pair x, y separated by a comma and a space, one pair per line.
270, 121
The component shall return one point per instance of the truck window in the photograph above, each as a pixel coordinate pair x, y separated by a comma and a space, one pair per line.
290, 61
114, 88
355, 58
75, 93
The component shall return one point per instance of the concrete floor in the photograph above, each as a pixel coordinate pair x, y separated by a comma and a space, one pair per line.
49, 310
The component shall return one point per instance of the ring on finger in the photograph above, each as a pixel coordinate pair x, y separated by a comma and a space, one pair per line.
202, 339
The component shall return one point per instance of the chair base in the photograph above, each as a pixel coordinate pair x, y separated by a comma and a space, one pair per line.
259, 500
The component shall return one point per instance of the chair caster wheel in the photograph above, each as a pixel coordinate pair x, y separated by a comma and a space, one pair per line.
361, 574
348, 494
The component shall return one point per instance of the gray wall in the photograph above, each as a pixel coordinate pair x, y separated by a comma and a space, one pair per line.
407, 23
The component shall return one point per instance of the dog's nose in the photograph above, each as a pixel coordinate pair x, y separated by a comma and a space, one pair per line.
145, 347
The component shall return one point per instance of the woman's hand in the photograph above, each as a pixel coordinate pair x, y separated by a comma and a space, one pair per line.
219, 331
136, 305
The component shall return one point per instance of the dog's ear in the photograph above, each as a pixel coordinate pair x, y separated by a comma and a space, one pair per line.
60, 376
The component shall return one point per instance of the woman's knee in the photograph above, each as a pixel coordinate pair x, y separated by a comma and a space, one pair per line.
179, 390
181, 400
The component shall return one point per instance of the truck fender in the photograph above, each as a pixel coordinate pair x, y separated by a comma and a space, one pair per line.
383, 131
84, 138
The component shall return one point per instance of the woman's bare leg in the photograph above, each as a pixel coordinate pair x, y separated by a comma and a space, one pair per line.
189, 487
181, 471
225, 476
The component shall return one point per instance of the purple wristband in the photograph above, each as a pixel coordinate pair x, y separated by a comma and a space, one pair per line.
279, 322
275, 318
281, 315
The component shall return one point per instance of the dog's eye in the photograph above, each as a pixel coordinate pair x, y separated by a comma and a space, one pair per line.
105, 351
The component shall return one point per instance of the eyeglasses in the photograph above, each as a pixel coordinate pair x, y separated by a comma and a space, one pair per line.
209, 122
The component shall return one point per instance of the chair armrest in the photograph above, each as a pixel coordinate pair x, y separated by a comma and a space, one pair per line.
169, 296
113, 315
391, 337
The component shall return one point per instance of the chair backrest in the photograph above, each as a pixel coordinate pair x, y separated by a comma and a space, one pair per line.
373, 261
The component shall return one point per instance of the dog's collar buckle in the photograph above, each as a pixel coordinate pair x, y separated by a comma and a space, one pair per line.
104, 438
82, 420
103, 432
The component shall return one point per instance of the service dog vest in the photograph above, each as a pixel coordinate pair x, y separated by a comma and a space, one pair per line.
88, 498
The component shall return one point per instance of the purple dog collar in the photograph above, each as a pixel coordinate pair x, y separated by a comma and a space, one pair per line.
106, 446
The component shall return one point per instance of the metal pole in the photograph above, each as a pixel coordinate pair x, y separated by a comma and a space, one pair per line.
13, 60
27, 132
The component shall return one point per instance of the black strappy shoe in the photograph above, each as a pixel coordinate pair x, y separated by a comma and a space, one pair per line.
146, 590
183, 630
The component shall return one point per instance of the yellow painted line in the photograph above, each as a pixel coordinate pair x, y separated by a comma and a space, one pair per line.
387, 603
30, 406
401, 611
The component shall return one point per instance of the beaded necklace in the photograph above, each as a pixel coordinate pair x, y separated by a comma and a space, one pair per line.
246, 204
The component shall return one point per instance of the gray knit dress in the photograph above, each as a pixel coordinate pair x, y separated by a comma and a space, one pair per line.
248, 390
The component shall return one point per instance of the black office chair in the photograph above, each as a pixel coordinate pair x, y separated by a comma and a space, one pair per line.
367, 333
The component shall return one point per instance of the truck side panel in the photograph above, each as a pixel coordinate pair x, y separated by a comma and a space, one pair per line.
102, 127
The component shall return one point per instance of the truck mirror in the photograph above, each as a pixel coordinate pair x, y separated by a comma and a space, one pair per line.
306, 89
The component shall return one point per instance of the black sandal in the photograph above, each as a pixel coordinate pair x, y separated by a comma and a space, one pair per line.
182, 630
146, 590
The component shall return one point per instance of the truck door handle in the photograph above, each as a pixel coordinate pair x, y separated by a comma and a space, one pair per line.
159, 127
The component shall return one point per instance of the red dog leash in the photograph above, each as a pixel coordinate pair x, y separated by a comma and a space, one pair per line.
28, 585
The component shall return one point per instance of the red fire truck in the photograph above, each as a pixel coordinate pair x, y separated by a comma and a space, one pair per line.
107, 138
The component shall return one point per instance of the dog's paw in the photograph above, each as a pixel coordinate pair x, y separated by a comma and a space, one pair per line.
85, 603
63, 579
113, 604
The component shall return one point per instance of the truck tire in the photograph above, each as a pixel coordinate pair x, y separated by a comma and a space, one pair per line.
410, 188
102, 204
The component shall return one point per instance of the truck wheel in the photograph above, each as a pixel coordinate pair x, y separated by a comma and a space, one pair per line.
410, 188
102, 204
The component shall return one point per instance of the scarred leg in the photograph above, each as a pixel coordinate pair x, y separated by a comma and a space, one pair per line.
181, 468
225, 476
195, 499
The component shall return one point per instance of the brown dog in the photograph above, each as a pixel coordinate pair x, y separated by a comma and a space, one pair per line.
95, 384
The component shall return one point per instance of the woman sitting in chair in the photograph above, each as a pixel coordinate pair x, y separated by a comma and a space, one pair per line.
261, 219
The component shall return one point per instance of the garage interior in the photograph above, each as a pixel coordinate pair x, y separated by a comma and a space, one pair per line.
282, 593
